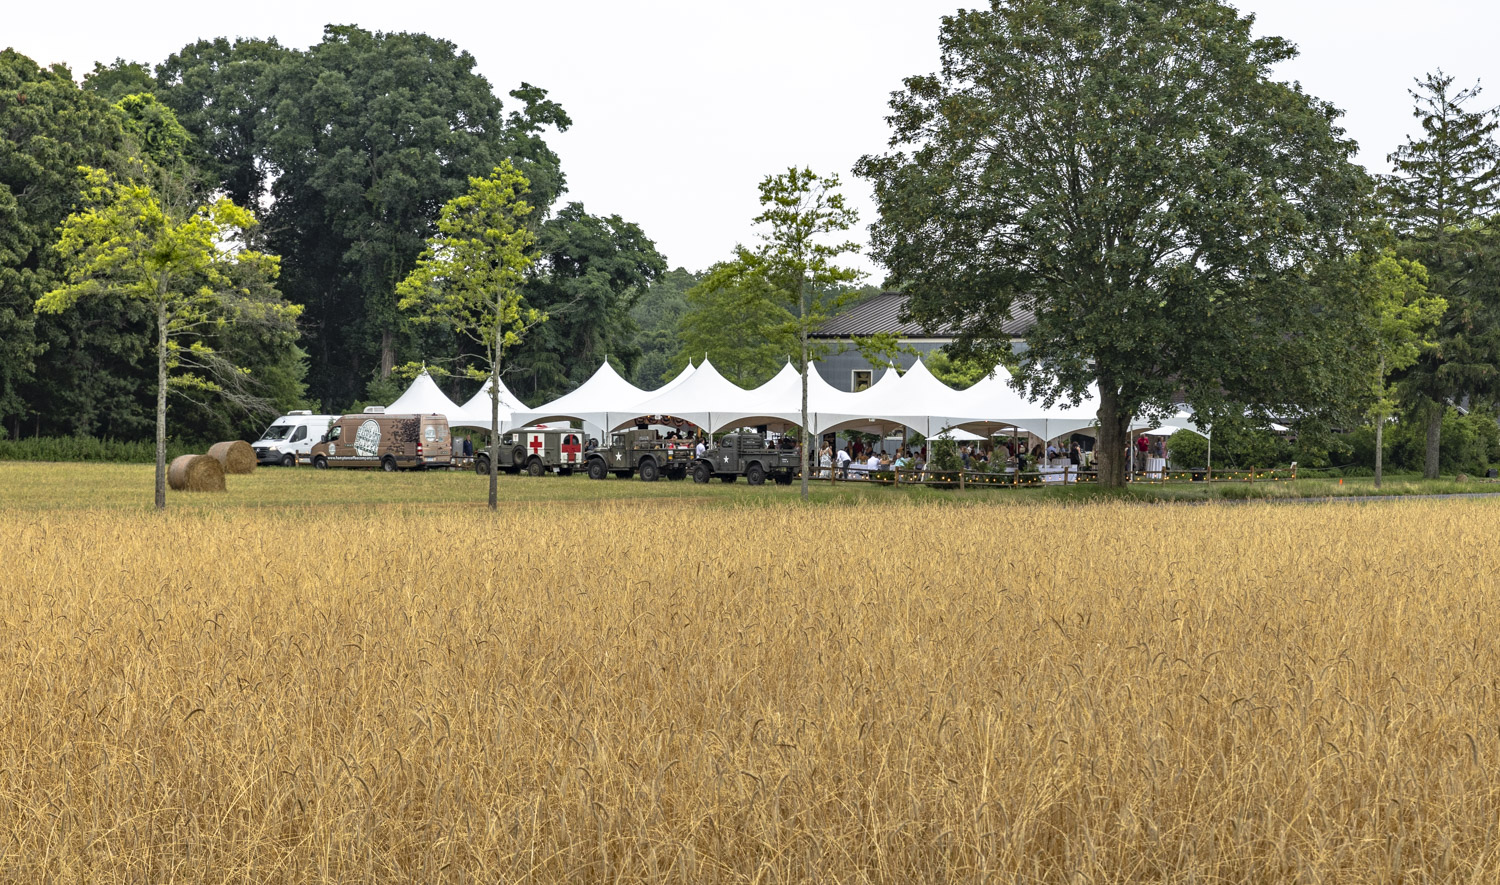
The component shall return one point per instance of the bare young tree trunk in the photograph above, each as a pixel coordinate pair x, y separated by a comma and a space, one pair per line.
161, 398
1380, 429
1112, 437
806, 431
495, 421
1434, 436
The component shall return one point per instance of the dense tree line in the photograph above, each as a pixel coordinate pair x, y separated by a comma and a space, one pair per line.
345, 152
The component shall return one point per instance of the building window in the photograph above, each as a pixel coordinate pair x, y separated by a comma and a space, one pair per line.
862, 378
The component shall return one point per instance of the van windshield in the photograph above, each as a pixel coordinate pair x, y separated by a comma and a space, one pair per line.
277, 431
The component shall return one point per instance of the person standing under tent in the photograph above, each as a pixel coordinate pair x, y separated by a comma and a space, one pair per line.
1075, 455
1142, 448
825, 459
842, 459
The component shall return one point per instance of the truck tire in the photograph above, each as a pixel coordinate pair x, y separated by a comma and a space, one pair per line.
755, 475
597, 469
482, 465
534, 467
289, 460
702, 472
649, 473
783, 479
388, 464
320, 463
518, 456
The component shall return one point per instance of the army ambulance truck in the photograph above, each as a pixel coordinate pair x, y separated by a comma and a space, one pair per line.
536, 450
750, 455
642, 453
390, 442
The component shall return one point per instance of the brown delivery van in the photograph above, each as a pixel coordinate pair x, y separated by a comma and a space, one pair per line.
390, 442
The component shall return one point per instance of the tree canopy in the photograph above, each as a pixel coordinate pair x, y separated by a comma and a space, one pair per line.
1133, 174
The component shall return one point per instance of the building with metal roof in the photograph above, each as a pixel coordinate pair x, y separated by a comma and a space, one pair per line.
846, 369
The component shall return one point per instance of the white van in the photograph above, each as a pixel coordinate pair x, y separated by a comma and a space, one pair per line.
291, 437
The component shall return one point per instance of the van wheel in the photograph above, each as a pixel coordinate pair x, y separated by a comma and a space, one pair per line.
649, 472
755, 475
289, 460
535, 468
596, 469
320, 463
388, 465
702, 472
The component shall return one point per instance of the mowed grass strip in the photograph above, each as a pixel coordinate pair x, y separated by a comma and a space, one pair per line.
701, 691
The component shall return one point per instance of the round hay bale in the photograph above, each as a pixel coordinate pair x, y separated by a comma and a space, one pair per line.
235, 457
196, 473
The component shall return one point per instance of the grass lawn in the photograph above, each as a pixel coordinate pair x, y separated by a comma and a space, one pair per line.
45, 486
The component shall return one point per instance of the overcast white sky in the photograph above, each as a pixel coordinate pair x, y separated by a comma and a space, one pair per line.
681, 108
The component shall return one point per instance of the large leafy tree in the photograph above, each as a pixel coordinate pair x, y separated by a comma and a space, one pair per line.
468, 280
223, 93
591, 270
48, 128
1132, 173
187, 264
1444, 190
348, 151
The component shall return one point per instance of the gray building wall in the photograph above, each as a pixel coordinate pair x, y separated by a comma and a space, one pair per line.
838, 368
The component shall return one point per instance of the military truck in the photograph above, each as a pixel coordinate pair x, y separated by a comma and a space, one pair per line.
641, 453
535, 450
751, 455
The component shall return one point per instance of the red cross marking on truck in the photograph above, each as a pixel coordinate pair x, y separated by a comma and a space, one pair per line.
571, 447
536, 444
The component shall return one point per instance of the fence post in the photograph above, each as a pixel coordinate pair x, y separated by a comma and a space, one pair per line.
961, 473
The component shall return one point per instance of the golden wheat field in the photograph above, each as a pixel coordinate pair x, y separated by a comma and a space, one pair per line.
650, 691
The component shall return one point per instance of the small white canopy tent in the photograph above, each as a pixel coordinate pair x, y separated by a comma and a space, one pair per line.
424, 398
604, 400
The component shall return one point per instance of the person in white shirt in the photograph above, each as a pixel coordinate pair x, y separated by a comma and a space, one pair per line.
843, 460
700, 449
872, 465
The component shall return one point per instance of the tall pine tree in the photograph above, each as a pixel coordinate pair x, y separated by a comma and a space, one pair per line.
1445, 187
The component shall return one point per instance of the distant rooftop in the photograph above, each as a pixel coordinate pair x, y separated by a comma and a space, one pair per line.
882, 313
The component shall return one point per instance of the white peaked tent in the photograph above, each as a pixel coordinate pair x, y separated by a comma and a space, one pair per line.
777, 402
604, 400
831, 409
424, 398
917, 399
993, 404
476, 412
705, 398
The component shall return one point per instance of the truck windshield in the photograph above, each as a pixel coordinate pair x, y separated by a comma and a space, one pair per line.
277, 431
